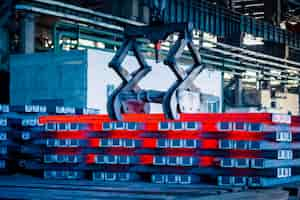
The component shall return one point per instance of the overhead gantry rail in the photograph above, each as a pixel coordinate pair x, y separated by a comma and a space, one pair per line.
224, 22
205, 17
223, 56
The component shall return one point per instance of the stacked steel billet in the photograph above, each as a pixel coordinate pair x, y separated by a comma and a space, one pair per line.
4, 140
22, 143
261, 151
254, 149
56, 150
64, 156
26, 133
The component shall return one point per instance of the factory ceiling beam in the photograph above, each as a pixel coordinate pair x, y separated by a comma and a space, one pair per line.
205, 16
258, 62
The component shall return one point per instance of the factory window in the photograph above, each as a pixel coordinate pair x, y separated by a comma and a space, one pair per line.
256, 127
164, 126
177, 126
240, 126
191, 125
225, 126
106, 126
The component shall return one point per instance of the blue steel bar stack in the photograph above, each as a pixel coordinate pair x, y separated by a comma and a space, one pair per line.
5, 143
229, 149
22, 144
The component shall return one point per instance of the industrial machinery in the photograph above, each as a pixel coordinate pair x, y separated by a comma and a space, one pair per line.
128, 97
132, 145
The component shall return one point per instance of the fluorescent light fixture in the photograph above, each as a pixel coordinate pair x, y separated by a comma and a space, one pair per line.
251, 40
86, 42
208, 40
100, 45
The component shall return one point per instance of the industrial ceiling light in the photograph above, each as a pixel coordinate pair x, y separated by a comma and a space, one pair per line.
251, 40
209, 40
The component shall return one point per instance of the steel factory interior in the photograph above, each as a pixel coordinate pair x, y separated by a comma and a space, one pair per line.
150, 99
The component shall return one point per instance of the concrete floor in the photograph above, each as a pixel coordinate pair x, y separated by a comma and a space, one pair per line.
26, 187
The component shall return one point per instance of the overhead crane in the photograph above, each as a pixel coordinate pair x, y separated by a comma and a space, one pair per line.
129, 91
129, 98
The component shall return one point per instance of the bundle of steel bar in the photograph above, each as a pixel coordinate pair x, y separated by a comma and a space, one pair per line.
246, 149
21, 134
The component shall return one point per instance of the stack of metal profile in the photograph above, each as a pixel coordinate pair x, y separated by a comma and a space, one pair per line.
264, 154
22, 143
246, 149
5, 143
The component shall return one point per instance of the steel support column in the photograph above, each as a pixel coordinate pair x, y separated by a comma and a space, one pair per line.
5, 14
272, 14
28, 33
238, 91
4, 47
